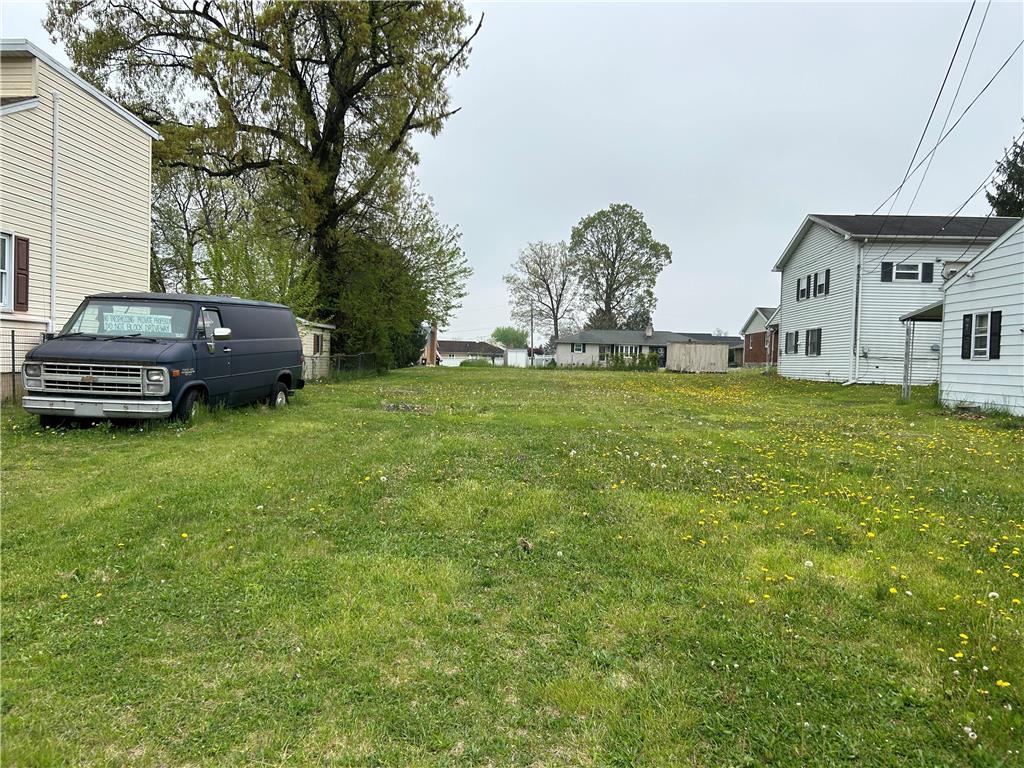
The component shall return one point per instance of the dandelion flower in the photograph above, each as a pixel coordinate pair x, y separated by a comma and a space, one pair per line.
1002, 684
184, 535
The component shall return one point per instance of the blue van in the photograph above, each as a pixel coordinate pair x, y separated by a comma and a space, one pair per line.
155, 355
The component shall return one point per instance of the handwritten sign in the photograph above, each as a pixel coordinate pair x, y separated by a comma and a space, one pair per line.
146, 325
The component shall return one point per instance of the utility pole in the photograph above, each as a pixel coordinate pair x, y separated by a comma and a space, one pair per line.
531, 334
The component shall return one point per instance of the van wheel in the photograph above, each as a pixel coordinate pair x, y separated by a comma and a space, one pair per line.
278, 395
188, 407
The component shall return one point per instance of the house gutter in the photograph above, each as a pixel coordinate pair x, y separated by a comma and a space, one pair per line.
855, 362
53, 212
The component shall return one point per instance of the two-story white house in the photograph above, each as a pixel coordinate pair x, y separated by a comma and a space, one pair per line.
846, 280
75, 172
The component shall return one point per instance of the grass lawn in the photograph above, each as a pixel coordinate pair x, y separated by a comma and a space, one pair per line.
722, 571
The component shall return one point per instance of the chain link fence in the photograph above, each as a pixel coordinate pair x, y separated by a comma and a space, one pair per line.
14, 345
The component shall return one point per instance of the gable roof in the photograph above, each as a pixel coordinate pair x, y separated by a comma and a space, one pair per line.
947, 229
981, 256
765, 312
22, 47
657, 338
453, 347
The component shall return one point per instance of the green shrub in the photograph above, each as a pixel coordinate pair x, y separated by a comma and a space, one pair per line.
475, 363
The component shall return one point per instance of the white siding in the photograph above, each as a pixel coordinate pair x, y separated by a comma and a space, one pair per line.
565, 356
819, 250
882, 336
315, 366
18, 76
103, 191
998, 283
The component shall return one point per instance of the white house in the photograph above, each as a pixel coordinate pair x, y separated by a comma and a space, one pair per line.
847, 280
690, 352
451, 353
74, 196
983, 329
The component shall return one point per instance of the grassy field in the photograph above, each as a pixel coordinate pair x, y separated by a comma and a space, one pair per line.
490, 567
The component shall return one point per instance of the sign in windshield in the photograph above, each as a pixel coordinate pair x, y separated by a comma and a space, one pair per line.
151, 319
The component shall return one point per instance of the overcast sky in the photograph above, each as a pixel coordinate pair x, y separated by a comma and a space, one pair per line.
723, 123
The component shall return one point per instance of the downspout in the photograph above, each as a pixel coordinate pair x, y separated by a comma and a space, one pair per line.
53, 212
855, 363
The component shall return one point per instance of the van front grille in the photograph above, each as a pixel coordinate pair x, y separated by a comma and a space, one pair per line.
92, 379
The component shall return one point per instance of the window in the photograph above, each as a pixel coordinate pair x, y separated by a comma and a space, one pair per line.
979, 349
208, 320
603, 353
812, 347
318, 343
124, 317
819, 284
577, 349
792, 342
907, 272
627, 350
6, 287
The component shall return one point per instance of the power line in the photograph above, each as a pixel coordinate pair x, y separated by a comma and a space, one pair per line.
924, 131
956, 213
952, 103
942, 138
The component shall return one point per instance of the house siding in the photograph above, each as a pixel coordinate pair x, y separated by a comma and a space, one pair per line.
18, 76
998, 284
565, 356
697, 358
103, 194
755, 353
820, 249
882, 337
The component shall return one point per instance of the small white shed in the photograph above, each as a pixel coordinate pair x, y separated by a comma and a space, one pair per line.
316, 348
983, 329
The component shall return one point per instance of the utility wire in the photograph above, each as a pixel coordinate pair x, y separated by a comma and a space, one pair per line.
952, 103
955, 213
924, 131
941, 139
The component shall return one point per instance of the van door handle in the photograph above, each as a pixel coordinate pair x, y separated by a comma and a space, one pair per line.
227, 349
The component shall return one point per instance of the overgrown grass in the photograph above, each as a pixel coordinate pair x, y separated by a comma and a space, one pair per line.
505, 567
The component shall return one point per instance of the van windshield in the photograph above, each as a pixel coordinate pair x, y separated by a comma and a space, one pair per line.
125, 317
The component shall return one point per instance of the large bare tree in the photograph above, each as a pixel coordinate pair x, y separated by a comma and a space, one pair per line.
543, 281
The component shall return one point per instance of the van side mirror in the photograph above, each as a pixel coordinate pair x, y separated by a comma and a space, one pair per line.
221, 334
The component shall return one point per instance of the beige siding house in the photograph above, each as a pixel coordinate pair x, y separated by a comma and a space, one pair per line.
682, 352
74, 194
316, 348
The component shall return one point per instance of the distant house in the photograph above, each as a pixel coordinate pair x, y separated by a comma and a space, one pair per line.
982, 329
75, 174
847, 280
451, 353
690, 352
316, 348
760, 347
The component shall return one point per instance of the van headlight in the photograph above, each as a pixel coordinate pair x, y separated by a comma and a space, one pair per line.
32, 370
157, 381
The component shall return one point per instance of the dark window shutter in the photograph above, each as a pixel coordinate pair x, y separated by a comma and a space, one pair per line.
965, 339
927, 272
808, 286
815, 283
995, 333
798, 289
796, 341
21, 274
886, 271
584, 347
827, 276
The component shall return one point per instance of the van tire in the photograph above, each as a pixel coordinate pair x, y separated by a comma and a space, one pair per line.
278, 395
187, 406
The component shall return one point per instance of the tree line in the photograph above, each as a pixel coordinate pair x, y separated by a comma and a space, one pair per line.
603, 277
286, 171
